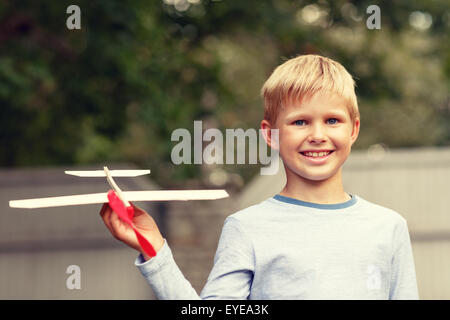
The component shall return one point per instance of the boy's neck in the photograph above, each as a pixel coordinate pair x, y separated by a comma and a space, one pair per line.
328, 191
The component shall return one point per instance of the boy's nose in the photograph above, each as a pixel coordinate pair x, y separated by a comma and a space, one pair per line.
317, 134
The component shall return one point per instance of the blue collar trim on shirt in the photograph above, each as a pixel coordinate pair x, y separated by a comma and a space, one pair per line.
333, 206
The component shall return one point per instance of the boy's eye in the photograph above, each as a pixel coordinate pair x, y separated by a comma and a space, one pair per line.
299, 122
332, 121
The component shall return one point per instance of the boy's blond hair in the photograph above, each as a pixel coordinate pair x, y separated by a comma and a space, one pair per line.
304, 76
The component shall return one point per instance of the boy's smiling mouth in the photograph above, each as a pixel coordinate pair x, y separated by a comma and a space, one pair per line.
316, 155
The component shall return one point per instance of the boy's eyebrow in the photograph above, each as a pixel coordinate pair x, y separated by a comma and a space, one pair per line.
339, 112
300, 114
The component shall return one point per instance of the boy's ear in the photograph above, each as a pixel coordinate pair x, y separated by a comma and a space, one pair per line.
355, 131
271, 137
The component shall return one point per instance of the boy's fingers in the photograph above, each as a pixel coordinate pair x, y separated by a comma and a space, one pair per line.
116, 224
106, 217
102, 210
136, 208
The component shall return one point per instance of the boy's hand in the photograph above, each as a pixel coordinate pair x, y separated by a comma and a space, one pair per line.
123, 231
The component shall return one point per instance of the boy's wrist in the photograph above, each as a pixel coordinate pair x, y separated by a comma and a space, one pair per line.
157, 248
145, 256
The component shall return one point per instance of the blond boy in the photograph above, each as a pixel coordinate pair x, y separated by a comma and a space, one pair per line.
312, 240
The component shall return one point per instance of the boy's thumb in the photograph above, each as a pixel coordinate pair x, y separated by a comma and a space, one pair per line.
136, 208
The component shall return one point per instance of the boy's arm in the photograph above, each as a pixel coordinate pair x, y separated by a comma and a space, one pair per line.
403, 274
234, 265
230, 277
164, 276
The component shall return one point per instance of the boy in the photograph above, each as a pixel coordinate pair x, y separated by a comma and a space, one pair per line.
313, 240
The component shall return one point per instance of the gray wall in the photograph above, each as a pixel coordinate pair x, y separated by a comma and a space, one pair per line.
37, 246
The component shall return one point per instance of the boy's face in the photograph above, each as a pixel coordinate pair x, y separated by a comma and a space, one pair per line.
315, 136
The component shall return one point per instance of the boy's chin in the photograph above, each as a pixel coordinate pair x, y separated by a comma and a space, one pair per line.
315, 179
310, 177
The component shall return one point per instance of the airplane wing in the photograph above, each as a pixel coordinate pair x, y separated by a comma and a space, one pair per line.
92, 198
114, 173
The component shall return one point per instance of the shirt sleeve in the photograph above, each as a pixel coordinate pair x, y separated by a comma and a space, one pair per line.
164, 276
234, 265
403, 274
230, 278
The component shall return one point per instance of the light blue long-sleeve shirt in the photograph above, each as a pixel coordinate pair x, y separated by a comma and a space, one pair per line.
284, 248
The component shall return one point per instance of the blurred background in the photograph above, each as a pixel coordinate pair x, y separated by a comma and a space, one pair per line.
112, 92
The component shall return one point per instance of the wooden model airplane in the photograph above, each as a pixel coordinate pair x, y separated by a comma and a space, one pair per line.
118, 199
92, 198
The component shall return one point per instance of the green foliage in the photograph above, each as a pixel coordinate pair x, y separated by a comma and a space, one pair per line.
137, 70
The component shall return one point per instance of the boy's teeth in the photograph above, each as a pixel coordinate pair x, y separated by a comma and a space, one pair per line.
316, 154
